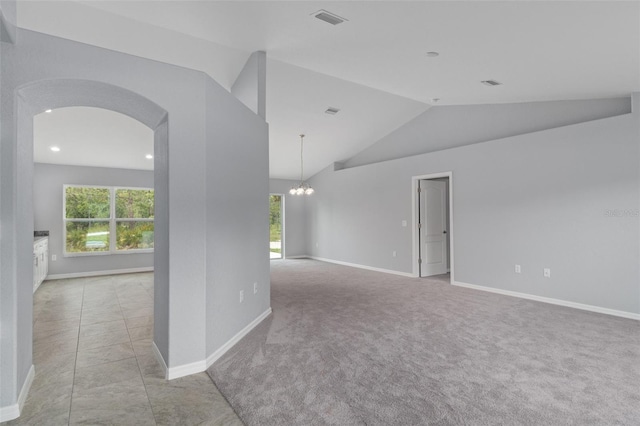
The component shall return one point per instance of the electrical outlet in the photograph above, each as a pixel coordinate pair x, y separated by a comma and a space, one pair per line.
404, 223
255, 288
518, 269
241, 296
317, 245
547, 273
54, 257
394, 253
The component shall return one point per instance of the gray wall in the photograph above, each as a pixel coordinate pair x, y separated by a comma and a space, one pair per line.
8, 19
444, 127
251, 85
16, 251
183, 139
237, 218
295, 234
539, 200
48, 181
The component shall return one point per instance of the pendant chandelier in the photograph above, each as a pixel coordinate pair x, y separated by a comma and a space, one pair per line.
303, 187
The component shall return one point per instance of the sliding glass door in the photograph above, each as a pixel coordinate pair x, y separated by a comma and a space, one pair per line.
276, 216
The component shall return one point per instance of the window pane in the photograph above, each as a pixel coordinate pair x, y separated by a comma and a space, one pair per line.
87, 203
134, 235
134, 203
87, 237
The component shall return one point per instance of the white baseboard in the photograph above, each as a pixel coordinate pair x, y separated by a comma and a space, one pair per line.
200, 366
185, 370
159, 358
99, 273
302, 256
26, 387
560, 302
235, 339
13, 411
370, 268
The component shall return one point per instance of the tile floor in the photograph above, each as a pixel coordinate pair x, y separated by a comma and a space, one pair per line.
92, 354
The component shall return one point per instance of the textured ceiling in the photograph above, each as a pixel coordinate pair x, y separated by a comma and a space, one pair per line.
374, 66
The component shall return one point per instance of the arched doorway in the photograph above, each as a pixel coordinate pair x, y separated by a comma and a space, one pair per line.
37, 97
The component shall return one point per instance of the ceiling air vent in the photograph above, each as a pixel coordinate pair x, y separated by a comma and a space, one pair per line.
329, 17
491, 83
332, 110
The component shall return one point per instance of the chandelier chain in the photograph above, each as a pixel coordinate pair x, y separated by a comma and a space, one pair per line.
301, 158
302, 188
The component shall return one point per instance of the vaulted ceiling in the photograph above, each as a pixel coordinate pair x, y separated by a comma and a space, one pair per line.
374, 66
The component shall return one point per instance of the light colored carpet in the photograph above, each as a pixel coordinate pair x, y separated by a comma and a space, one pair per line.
349, 347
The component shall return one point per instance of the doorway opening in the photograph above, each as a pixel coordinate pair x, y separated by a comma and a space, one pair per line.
50, 96
276, 226
93, 196
433, 226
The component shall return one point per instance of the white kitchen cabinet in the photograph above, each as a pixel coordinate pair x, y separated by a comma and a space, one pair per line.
40, 261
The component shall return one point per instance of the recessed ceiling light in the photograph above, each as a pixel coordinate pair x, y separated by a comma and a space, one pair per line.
332, 111
491, 83
55, 149
432, 54
148, 156
47, 111
329, 17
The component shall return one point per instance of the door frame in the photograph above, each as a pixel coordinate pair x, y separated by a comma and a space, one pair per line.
282, 221
414, 222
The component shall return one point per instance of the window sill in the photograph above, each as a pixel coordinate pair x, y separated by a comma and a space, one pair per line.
107, 253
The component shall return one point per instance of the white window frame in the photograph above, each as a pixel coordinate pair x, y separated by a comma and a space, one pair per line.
112, 221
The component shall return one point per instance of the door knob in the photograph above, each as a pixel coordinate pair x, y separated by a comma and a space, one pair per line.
444, 232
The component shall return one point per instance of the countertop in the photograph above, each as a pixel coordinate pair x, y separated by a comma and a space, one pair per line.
40, 235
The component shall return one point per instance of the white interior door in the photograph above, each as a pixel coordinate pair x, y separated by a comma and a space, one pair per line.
433, 227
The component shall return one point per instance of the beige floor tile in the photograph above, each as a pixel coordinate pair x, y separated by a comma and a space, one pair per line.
48, 401
58, 315
97, 296
142, 312
90, 317
105, 311
47, 335
190, 400
95, 364
142, 347
101, 303
123, 403
141, 333
152, 371
139, 321
103, 327
74, 304
56, 412
44, 349
123, 371
104, 355
95, 341
130, 306
54, 362
44, 325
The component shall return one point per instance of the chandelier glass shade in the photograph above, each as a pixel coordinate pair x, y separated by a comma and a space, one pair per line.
303, 188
